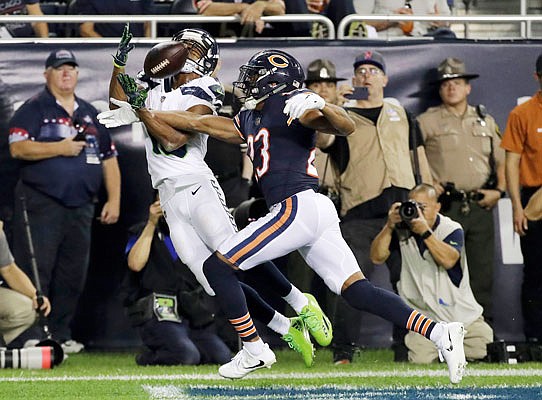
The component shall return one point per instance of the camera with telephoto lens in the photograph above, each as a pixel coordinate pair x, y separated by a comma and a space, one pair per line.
408, 210
29, 358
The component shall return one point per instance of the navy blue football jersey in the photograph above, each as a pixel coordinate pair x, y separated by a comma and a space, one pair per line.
282, 150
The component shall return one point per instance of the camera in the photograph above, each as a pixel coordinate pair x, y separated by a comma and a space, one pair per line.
333, 195
29, 358
408, 210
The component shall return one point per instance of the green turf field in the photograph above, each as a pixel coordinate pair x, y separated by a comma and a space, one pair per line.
372, 375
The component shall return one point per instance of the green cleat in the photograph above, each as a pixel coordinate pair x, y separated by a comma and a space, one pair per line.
299, 340
316, 321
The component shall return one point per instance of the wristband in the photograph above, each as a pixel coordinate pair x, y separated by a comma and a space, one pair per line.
426, 234
502, 192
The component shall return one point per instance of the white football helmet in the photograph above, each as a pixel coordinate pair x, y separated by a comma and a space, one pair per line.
203, 49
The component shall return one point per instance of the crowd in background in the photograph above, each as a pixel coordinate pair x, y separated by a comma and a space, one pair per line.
250, 12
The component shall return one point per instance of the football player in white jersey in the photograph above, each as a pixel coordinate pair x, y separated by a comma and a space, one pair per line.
193, 202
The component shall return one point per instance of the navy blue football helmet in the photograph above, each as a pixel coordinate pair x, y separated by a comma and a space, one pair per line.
268, 72
203, 49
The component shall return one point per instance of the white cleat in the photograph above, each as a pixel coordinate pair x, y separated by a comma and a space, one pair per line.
244, 363
451, 350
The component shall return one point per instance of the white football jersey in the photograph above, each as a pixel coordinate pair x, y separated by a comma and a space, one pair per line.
186, 164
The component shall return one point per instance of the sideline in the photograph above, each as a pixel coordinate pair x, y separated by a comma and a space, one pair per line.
296, 376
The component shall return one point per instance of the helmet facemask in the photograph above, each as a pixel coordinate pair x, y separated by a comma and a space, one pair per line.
263, 77
203, 51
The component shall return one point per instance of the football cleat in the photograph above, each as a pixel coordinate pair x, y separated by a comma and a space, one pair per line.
451, 350
244, 363
299, 340
316, 321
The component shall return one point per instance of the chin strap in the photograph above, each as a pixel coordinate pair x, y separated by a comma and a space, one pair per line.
251, 103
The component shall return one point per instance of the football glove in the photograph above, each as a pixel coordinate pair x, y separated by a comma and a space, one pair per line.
136, 95
121, 58
298, 104
124, 115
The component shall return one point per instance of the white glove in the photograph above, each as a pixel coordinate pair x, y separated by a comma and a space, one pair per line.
124, 115
297, 105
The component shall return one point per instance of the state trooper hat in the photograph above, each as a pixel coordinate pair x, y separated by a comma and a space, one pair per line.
60, 57
452, 68
321, 70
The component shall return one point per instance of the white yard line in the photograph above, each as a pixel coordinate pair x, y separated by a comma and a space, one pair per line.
296, 375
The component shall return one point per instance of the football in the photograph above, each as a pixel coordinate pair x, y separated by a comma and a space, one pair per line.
165, 59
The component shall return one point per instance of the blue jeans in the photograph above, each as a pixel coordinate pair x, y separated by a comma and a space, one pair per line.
172, 343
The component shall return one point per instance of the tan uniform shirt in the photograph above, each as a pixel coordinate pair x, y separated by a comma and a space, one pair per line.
379, 157
458, 148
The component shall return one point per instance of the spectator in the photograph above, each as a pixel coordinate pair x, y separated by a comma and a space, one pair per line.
462, 147
172, 313
407, 7
523, 146
22, 7
18, 297
65, 152
117, 7
434, 273
382, 143
335, 10
250, 12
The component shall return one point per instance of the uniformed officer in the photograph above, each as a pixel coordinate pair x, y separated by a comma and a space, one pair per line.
467, 165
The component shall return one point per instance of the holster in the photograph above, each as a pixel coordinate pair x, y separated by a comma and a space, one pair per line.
140, 311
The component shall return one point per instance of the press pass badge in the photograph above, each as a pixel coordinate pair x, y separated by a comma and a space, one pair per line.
91, 150
165, 307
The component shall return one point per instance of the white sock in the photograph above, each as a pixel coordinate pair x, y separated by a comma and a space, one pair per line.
279, 324
255, 347
437, 332
296, 299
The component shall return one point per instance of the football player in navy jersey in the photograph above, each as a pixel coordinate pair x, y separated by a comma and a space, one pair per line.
279, 124
192, 199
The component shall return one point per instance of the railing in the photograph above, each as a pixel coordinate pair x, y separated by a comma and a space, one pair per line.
156, 19
524, 20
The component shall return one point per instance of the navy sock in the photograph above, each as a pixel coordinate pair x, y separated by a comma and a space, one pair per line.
230, 296
363, 295
267, 274
261, 311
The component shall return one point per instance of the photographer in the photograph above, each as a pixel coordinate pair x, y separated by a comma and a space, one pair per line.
434, 272
163, 300
18, 301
